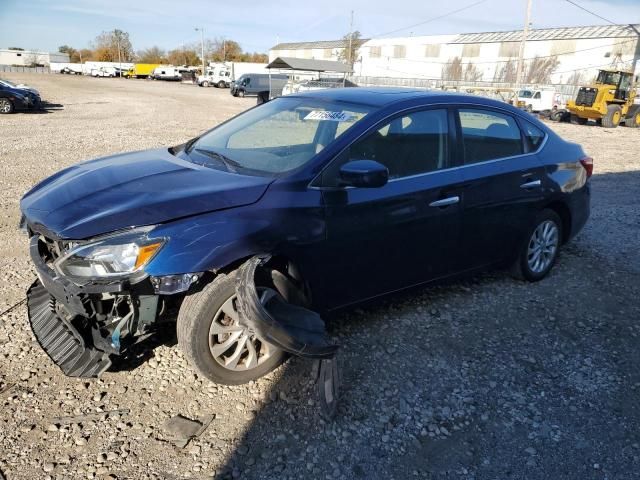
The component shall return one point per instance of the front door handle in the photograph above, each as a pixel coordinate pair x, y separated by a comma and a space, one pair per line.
445, 202
531, 184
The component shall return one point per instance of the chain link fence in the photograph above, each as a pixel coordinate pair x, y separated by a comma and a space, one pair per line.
22, 69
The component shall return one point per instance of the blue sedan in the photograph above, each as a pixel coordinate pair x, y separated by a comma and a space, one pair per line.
349, 193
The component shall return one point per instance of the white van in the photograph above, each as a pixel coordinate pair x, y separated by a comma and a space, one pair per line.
539, 100
219, 77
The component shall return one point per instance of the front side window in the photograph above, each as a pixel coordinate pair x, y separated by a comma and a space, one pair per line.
276, 137
488, 135
411, 144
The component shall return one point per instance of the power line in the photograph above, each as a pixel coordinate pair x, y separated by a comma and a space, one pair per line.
433, 19
589, 11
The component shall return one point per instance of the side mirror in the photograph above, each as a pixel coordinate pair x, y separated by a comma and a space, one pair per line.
364, 174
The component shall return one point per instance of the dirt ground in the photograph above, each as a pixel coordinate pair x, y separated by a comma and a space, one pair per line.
484, 378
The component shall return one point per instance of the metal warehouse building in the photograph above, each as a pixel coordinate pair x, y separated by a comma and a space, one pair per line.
30, 57
552, 55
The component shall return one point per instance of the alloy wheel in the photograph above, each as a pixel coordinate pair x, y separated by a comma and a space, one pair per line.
5, 105
543, 246
232, 345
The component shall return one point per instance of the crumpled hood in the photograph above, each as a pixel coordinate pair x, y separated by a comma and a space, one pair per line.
131, 190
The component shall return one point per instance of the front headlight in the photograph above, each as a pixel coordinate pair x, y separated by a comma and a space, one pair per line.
117, 255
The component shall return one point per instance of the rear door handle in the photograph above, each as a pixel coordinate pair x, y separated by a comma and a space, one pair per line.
445, 202
531, 184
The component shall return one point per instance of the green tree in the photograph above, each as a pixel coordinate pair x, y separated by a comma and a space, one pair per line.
74, 55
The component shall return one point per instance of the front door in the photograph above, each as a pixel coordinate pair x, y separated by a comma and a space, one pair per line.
404, 233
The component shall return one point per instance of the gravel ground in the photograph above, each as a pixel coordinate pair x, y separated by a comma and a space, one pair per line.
484, 378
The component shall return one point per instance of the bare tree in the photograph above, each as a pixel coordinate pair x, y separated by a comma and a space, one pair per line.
539, 69
506, 72
113, 46
350, 56
152, 55
453, 70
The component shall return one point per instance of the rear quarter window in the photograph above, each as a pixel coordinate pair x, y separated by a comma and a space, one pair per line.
488, 135
533, 135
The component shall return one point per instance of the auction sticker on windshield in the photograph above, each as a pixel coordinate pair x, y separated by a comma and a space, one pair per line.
332, 116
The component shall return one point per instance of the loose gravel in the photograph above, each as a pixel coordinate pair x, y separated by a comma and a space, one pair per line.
483, 378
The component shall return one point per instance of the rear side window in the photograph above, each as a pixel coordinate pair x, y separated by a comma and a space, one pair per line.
488, 135
533, 135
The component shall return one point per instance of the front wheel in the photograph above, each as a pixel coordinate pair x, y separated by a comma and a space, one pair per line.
204, 84
6, 105
613, 117
539, 251
214, 342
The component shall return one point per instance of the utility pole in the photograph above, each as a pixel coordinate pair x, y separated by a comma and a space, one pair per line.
201, 30
636, 53
350, 40
119, 56
525, 33
224, 50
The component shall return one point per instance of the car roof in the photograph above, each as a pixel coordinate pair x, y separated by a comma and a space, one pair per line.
384, 96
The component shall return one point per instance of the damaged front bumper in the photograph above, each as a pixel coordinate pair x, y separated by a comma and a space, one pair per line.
81, 326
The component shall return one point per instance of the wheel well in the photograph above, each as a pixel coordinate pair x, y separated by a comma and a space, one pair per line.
286, 267
565, 215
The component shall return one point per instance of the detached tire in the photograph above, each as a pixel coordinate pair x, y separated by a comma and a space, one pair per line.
195, 325
613, 116
539, 251
579, 120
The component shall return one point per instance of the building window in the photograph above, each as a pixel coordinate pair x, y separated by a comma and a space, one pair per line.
375, 52
327, 53
399, 51
471, 50
432, 50
509, 49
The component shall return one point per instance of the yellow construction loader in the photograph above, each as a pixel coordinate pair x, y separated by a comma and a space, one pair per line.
609, 101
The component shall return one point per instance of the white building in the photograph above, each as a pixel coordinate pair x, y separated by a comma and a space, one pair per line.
323, 50
30, 57
552, 55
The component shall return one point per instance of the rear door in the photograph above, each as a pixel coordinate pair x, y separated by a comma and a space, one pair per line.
404, 233
502, 184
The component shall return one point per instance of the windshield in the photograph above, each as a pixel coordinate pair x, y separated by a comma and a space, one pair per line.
276, 137
608, 78
525, 93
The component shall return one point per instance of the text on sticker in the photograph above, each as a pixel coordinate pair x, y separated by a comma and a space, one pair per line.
332, 116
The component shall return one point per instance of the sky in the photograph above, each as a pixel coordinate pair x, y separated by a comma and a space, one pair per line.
258, 24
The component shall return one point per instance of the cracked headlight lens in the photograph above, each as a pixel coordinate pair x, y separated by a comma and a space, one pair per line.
113, 256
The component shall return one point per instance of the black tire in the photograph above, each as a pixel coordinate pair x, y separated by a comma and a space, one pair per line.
613, 116
579, 120
221, 84
555, 115
6, 106
241, 93
521, 268
204, 84
194, 321
632, 118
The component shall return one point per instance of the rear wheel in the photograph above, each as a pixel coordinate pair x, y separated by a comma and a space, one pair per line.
539, 251
613, 116
6, 105
221, 84
214, 342
204, 84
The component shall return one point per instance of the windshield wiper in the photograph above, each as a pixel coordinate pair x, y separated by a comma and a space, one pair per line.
231, 165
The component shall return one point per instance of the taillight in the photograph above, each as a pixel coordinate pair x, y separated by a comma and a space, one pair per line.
587, 163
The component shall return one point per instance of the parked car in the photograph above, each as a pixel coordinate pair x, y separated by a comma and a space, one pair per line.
352, 193
71, 71
16, 97
257, 84
316, 84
